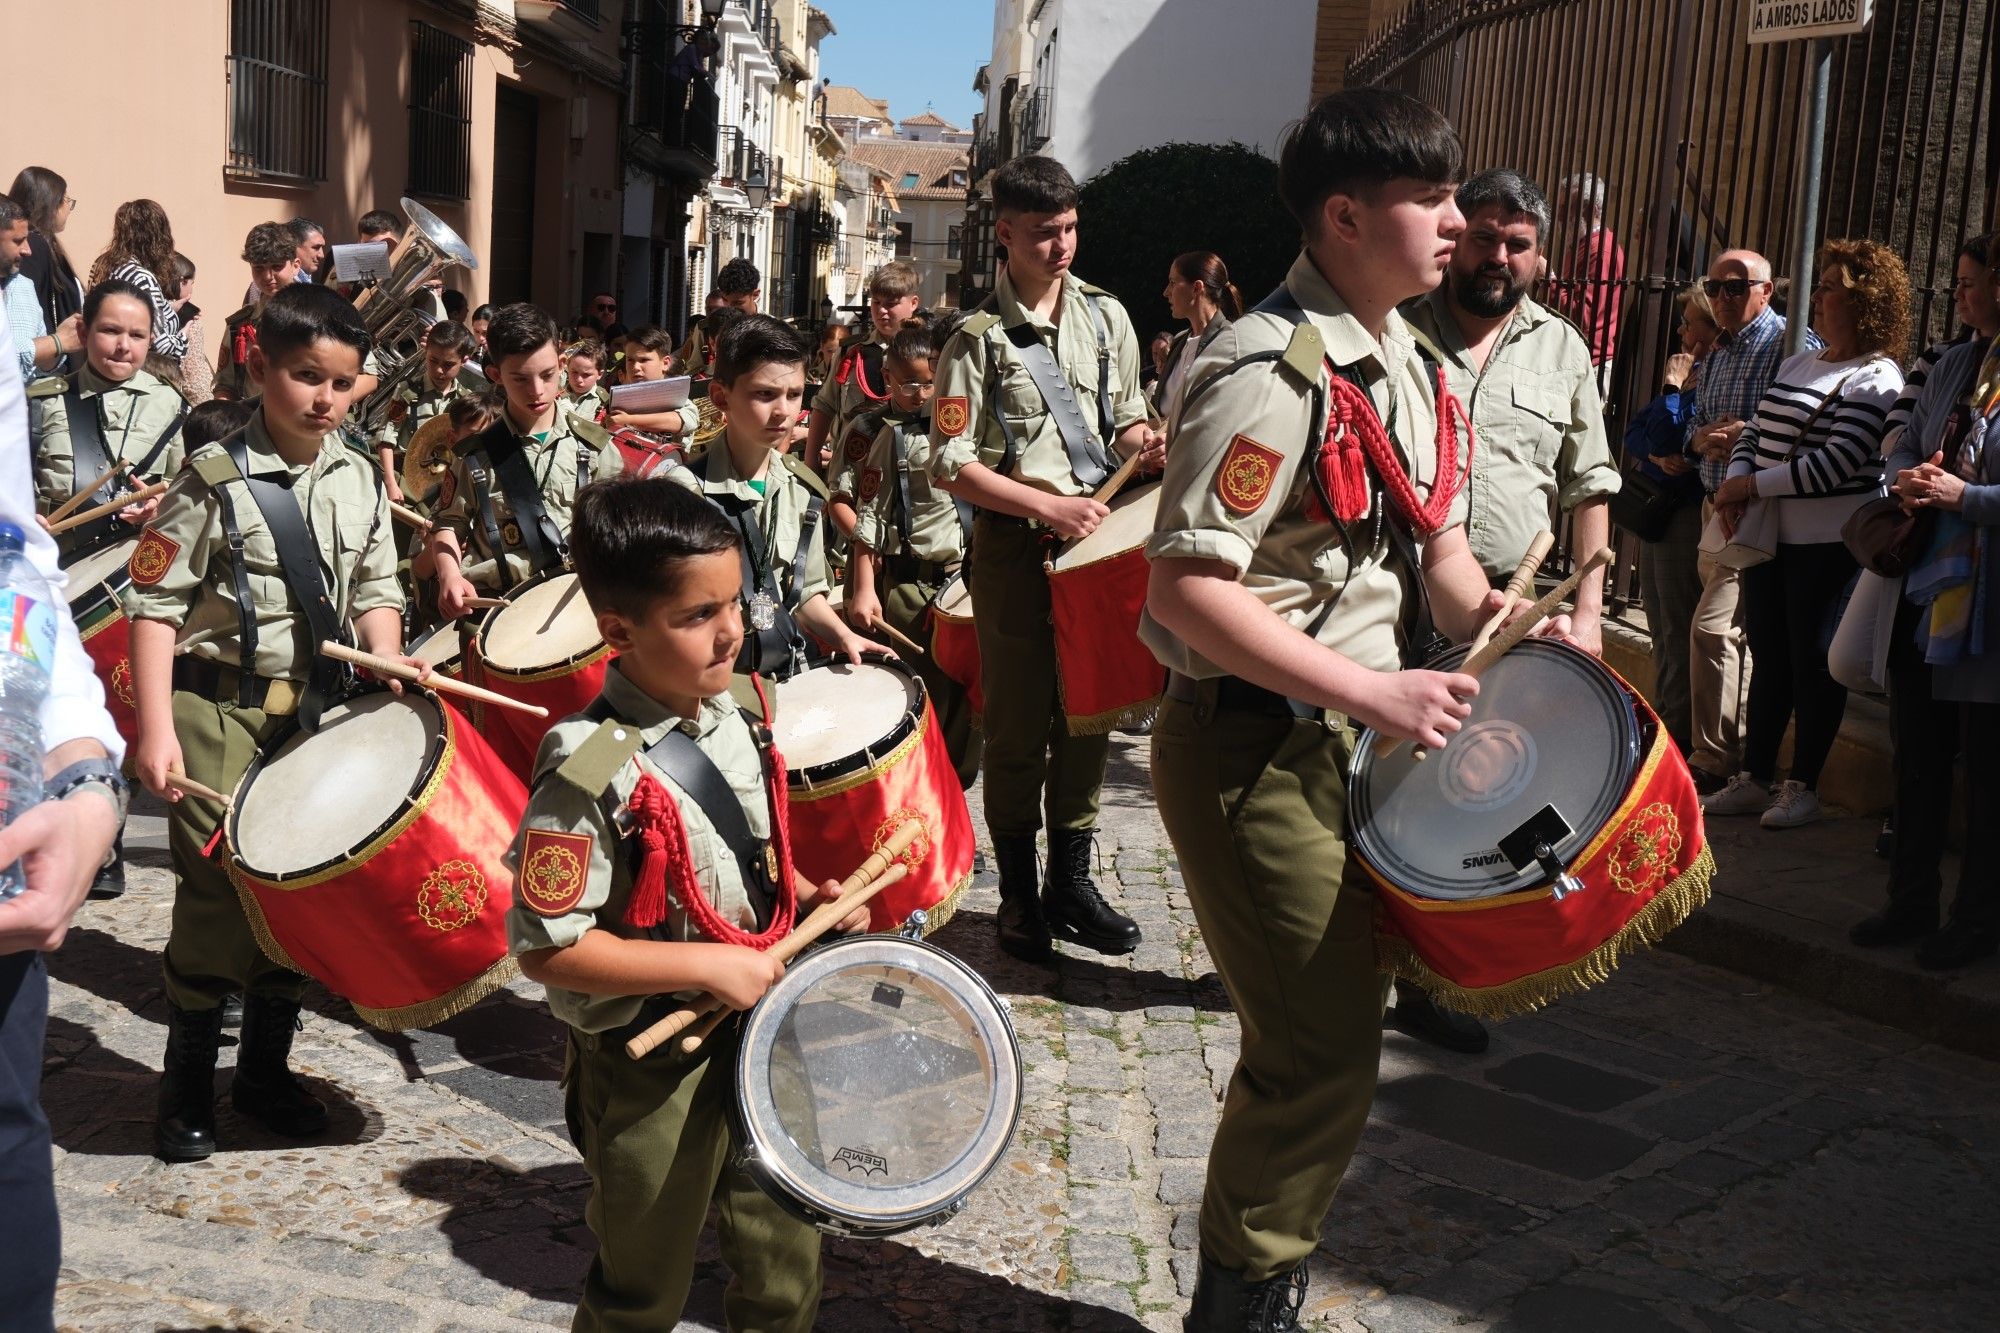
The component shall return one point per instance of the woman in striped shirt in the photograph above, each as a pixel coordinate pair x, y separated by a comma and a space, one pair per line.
141, 250
1813, 453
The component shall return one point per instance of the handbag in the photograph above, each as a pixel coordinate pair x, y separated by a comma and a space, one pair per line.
1642, 506
1884, 539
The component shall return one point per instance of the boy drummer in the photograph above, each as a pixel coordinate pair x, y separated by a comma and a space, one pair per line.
263, 547
1288, 585
661, 572
857, 386
1030, 464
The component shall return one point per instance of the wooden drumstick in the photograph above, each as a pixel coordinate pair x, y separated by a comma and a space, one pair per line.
96, 512
1116, 481
1517, 586
1522, 626
443, 684
405, 514
902, 640
181, 782
487, 603
68, 507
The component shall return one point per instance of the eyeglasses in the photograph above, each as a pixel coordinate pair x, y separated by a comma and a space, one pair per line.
606, 305
70, 199
1734, 288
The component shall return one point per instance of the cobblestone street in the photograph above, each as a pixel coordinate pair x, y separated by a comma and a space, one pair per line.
1679, 1149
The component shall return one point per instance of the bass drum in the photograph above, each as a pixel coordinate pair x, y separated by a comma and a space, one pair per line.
98, 579
541, 648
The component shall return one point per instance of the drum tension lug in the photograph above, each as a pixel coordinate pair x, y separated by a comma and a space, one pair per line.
913, 925
1534, 842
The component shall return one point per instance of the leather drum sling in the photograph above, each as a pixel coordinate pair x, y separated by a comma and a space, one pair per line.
91, 457
1088, 460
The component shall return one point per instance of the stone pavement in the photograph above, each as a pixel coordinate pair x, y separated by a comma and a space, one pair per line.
1681, 1149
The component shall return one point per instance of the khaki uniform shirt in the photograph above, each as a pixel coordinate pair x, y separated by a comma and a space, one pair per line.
553, 459
844, 405
547, 878
1237, 482
133, 416
181, 571
933, 533
420, 402
971, 370
232, 378
781, 515
588, 405
1537, 423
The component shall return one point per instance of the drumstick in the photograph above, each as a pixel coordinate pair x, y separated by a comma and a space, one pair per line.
901, 638
822, 918
68, 507
1518, 586
384, 666
408, 515
1116, 481
1521, 628
486, 603
181, 782
95, 512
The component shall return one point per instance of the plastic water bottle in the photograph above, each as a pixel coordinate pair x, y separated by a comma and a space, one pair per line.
27, 656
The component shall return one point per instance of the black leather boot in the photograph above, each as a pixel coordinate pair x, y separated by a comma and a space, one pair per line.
1417, 1014
265, 1089
1225, 1303
1073, 907
109, 882
184, 1128
1902, 921
1022, 931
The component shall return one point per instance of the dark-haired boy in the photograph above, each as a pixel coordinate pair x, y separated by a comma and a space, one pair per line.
661, 573
858, 385
504, 510
273, 256
773, 499
448, 346
695, 353
1280, 601
263, 547
649, 356
1030, 465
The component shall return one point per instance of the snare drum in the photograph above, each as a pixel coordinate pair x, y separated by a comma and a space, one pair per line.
395, 894
97, 582
954, 640
877, 1084
542, 648
443, 650
645, 454
1097, 588
863, 752
1557, 830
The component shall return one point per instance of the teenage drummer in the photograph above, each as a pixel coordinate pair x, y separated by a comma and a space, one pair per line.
504, 510
909, 537
772, 499
857, 387
636, 881
1292, 576
1038, 397
263, 547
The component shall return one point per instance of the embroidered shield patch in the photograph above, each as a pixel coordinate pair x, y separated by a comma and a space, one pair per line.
1247, 473
952, 415
857, 445
152, 558
555, 868
871, 484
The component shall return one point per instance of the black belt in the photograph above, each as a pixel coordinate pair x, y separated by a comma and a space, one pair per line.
1007, 520
212, 680
1239, 695
906, 568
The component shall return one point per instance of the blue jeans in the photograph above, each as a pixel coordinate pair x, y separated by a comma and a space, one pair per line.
30, 1236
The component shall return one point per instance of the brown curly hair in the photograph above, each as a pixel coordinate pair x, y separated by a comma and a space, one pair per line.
1878, 292
139, 232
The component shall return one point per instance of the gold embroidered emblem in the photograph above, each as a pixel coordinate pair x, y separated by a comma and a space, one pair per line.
915, 854
555, 867
1244, 479
121, 683
452, 896
952, 415
152, 558
1645, 855
510, 532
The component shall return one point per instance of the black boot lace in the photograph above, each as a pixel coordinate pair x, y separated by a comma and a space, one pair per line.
1276, 1307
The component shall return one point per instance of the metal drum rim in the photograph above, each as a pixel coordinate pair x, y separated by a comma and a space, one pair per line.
870, 755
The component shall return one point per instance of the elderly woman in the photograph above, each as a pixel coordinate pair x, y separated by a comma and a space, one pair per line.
1813, 453
1944, 661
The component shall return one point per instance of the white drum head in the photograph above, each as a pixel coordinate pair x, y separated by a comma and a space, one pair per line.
1550, 727
832, 712
325, 795
549, 623
878, 1083
440, 648
89, 573
954, 600
1126, 528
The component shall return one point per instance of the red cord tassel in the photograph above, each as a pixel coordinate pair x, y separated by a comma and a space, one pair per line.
1355, 439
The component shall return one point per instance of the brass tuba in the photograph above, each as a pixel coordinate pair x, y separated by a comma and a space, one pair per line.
396, 321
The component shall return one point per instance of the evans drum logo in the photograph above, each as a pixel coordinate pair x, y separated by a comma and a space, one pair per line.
866, 1163
1480, 859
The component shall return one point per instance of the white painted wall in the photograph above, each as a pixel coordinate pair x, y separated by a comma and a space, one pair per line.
1132, 74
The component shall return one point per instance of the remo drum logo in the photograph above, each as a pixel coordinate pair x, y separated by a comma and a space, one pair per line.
452, 896
952, 415
554, 869
866, 1163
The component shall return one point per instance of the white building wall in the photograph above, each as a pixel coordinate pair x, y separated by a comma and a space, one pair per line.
1132, 74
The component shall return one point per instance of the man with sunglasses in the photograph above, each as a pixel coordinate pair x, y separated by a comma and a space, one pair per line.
1736, 375
600, 314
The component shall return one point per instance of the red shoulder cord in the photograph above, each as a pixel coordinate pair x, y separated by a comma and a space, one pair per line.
667, 861
852, 364
1355, 438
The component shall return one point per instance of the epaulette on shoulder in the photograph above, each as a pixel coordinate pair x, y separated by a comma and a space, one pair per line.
976, 324
805, 474
590, 432
48, 386
601, 755
1305, 353
1092, 289
213, 465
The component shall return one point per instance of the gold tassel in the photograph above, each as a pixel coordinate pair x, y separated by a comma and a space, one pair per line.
1668, 908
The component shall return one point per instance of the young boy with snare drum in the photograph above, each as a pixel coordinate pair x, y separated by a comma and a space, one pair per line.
630, 891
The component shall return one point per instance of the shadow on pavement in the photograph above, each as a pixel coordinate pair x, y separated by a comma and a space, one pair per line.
1076, 976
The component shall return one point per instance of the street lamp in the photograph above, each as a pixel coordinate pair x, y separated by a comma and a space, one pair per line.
639, 31
757, 189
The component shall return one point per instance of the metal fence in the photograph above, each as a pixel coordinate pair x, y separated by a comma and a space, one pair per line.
277, 90
1697, 136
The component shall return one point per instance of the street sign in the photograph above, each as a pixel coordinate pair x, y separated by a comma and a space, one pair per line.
1789, 20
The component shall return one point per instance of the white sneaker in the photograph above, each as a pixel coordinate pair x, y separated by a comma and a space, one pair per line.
1743, 796
1794, 805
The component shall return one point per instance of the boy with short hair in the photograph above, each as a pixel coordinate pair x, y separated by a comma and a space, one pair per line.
695, 352
273, 256
661, 572
857, 386
585, 394
448, 347
649, 356
772, 498
1031, 467
504, 511
220, 567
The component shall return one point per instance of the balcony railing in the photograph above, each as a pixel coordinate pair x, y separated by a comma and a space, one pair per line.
1037, 119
